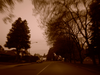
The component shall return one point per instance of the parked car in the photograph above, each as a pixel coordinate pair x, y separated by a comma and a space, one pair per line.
39, 61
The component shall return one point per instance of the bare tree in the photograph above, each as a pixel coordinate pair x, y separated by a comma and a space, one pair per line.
8, 6
74, 16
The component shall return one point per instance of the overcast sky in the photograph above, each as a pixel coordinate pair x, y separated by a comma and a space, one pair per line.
24, 10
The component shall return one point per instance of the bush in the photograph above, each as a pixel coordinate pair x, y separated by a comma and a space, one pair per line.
7, 58
30, 58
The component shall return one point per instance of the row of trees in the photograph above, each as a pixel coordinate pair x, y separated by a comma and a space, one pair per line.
76, 21
67, 48
94, 48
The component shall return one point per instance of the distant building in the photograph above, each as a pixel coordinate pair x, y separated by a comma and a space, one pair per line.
37, 55
8, 52
14, 52
1, 48
10, 55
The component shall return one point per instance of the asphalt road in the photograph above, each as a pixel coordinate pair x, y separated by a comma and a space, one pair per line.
46, 68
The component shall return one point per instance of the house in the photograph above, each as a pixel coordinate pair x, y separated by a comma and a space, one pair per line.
7, 55
1, 48
10, 55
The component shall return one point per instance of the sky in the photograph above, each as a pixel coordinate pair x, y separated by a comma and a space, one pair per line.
24, 10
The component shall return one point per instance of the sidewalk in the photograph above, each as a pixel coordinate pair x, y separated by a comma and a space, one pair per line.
89, 67
4, 65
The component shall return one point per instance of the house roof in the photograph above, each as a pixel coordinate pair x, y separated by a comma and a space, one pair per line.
12, 52
7, 52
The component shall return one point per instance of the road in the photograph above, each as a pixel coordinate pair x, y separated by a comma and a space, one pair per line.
46, 68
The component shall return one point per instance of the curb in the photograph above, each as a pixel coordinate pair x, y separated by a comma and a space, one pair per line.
16, 65
88, 69
22, 64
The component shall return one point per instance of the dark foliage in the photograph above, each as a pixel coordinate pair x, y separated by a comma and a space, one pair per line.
18, 36
8, 6
95, 29
50, 55
30, 58
5, 4
64, 18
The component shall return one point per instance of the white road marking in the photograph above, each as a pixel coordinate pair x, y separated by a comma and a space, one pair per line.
43, 69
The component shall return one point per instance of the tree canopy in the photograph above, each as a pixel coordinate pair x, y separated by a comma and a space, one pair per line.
18, 36
95, 29
63, 18
8, 6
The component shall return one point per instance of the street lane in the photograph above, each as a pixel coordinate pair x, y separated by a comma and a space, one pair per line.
47, 68
62, 68
32, 69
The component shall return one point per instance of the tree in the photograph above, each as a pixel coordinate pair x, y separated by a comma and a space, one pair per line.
18, 36
50, 55
68, 16
8, 6
95, 29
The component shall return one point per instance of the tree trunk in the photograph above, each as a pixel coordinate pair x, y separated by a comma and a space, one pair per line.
99, 58
65, 59
74, 56
18, 57
79, 49
91, 50
70, 58
93, 58
81, 60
